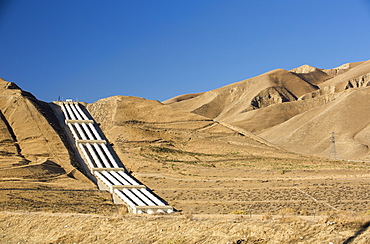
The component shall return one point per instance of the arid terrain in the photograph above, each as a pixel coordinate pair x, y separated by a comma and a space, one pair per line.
246, 163
295, 109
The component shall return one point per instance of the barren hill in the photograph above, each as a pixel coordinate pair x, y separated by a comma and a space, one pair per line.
266, 104
139, 128
276, 86
32, 141
38, 168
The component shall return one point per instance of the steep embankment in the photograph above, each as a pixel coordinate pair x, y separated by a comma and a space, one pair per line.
32, 136
37, 168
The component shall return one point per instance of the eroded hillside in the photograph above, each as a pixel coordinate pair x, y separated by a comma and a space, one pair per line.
31, 136
147, 134
38, 168
266, 104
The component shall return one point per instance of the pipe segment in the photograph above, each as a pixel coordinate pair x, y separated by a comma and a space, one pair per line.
102, 178
128, 193
128, 178
64, 111
77, 105
79, 117
110, 156
79, 129
87, 131
152, 197
86, 156
73, 117
133, 197
93, 154
120, 178
77, 132
143, 197
101, 155
74, 133
93, 129
124, 198
110, 178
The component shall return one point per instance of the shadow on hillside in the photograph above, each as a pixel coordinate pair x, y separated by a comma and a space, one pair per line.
359, 232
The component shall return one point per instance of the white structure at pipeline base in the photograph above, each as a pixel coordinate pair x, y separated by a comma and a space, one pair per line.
103, 164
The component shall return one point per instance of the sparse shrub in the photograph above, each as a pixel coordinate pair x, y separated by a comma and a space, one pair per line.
102, 199
267, 216
122, 211
239, 212
287, 211
303, 212
290, 219
189, 216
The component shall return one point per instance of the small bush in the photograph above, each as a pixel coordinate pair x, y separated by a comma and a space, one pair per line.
239, 212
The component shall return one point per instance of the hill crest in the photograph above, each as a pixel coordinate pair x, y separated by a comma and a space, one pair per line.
265, 101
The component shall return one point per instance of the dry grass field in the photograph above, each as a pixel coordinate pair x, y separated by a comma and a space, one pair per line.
41, 227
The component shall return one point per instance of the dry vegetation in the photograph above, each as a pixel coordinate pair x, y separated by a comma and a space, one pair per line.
91, 228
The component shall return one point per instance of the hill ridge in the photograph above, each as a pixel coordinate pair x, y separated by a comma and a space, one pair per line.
263, 102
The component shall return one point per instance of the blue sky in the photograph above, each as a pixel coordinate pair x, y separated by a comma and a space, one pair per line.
158, 49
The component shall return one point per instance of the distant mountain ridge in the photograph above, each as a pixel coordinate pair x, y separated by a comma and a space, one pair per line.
264, 105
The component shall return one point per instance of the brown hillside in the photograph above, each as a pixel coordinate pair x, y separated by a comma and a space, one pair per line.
140, 128
276, 86
38, 169
358, 76
308, 132
31, 132
297, 92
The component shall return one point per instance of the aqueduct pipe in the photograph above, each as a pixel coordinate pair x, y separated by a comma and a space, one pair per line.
100, 160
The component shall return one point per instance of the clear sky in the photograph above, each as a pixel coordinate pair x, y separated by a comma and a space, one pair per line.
158, 49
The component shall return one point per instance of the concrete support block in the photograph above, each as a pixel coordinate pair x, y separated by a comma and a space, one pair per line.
102, 186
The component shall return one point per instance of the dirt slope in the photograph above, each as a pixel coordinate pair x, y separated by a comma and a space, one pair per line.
277, 109
38, 170
309, 132
32, 136
273, 87
357, 76
140, 128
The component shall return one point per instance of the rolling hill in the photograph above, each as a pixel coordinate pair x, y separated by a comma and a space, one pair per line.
296, 109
